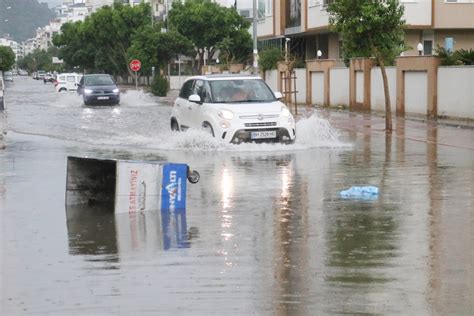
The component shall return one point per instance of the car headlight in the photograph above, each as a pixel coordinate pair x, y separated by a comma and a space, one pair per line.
87, 91
116, 90
285, 112
226, 114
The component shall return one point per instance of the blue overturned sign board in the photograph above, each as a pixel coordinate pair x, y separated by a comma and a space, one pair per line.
173, 192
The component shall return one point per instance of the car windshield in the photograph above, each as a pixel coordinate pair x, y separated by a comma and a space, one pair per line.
240, 90
98, 80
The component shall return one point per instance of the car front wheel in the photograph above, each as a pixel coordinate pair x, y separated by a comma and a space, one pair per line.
174, 126
208, 128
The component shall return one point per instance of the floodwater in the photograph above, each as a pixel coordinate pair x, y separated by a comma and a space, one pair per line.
265, 231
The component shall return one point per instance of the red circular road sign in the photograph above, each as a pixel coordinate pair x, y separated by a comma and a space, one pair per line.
135, 65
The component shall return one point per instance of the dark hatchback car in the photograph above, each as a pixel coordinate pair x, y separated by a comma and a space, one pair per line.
98, 89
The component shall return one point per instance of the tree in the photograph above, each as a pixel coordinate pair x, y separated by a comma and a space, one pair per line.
102, 41
75, 49
208, 24
7, 58
270, 57
155, 48
370, 28
40, 59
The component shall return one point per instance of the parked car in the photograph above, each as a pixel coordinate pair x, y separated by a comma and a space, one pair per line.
67, 82
98, 89
8, 76
48, 78
41, 74
233, 108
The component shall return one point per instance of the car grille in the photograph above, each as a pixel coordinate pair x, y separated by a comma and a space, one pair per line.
261, 124
259, 116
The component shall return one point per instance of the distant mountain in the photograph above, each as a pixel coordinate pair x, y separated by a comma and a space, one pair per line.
20, 18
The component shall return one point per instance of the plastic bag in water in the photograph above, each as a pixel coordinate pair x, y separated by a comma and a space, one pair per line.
363, 192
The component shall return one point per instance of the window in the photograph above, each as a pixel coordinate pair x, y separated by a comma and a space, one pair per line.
427, 47
71, 79
449, 44
261, 9
199, 89
186, 89
293, 13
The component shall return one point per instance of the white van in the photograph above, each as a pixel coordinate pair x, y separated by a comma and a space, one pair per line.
67, 81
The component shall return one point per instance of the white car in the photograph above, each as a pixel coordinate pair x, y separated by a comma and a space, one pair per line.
67, 82
233, 108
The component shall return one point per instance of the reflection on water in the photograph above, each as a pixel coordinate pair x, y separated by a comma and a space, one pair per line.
96, 230
91, 230
175, 232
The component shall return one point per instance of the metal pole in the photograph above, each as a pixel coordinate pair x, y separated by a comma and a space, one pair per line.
179, 72
255, 49
136, 81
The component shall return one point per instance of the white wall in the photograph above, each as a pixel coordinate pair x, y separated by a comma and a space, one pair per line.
271, 79
176, 82
417, 12
456, 91
265, 26
377, 99
317, 88
339, 83
317, 15
300, 85
416, 92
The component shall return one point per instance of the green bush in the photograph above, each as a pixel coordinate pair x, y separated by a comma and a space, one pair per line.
465, 56
159, 86
269, 58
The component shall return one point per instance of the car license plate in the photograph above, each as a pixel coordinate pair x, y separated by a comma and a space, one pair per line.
102, 98
263, 134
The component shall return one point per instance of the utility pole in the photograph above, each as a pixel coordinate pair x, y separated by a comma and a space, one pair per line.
255, 49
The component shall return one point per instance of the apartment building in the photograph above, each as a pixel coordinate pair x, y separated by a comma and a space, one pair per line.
16, 47
447, 23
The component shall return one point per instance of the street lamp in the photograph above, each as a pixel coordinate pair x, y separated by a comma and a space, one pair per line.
319, 54
287, 40
419, 47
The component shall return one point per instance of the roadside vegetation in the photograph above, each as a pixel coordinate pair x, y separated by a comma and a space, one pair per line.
7, 58
459, 57
110, 38
40, 60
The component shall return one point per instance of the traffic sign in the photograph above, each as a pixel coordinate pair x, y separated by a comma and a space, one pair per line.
135, 65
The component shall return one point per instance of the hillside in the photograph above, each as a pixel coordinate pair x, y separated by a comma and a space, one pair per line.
20, 18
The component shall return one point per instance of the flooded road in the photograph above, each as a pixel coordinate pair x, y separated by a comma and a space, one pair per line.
265, 231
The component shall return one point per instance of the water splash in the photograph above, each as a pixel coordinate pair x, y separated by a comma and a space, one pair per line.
137, 98
312, 132
67, 100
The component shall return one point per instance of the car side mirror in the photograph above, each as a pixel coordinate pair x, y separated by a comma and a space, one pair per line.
278, 95
194, 98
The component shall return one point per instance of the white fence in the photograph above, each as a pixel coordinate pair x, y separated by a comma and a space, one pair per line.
455, 89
